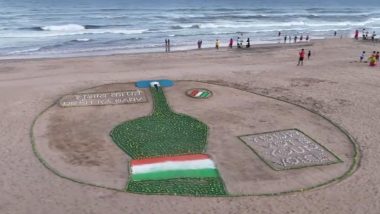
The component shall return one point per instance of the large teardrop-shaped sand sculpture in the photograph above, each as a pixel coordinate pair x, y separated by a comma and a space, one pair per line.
168, 152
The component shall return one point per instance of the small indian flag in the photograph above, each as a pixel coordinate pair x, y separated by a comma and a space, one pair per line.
185, 166
199, 93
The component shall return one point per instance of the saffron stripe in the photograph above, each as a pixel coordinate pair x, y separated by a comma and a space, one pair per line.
194, 92
173, 165
197, 173
169, 158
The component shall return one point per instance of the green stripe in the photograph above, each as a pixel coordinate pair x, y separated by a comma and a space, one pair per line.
204, 94
196, 173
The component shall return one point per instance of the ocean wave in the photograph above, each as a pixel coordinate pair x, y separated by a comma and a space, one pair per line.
70, 27
43, 34
296, 23
25, 51
176, 27
81, 40
67, 27
179, 27
118, 41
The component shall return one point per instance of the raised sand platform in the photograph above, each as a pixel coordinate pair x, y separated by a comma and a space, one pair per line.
331, 85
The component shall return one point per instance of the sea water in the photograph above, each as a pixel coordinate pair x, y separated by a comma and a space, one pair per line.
55, 28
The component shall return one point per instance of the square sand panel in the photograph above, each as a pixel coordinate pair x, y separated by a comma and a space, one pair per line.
289, 149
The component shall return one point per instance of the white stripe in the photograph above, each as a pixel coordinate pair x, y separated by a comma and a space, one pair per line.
173, 165
199, 94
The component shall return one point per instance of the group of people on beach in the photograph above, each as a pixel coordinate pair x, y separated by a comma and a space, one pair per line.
373, 59
167, 45
295, 38
239, 43
365, 35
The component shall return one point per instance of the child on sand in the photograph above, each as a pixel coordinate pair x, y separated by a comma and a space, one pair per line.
362, 56
301, 57
372, 59
309, 55
217, 44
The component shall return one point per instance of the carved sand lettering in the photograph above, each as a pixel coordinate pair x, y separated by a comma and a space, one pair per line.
107, 98
289, 149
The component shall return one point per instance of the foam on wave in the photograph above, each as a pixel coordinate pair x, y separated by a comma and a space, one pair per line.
67, 27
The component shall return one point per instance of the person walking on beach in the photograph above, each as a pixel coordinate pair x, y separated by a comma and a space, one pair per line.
248, 43
301, 57
301, 38
199, 44
166, 45
363, 33
362, 56
285, 37
217, 44
307, 38
238, 42
357, 34
231, 43
334, 33
373, 36
295, 39
308, 55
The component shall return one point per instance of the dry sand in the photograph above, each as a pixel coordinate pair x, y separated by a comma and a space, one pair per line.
331, 83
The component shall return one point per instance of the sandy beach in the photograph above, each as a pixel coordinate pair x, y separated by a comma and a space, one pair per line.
332, 84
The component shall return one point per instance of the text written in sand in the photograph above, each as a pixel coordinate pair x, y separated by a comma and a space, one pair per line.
289, 149
108, 98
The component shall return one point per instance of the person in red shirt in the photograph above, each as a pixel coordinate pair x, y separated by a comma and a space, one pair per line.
231, 43
301, 57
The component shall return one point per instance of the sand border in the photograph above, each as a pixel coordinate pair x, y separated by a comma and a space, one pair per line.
352, 169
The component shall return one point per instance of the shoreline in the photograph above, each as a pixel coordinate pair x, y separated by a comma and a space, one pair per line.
261, 46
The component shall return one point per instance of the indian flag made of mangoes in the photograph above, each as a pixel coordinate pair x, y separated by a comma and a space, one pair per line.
184, 166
